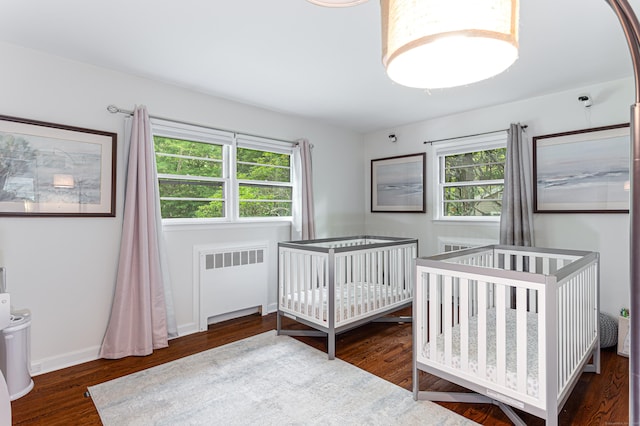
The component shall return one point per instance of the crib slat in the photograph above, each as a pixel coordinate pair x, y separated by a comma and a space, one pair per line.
322, 296
370, 274
385, 263
447, 306
434, 307
307, 279
456, 300
349, 282
286, 280
464, 324
395, 275
521, 339
501, 333
482, 329
297, 281
562, 344
542, 345
316, 277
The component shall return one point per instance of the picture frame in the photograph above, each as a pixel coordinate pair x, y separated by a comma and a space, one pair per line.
49, 169
398, 184
582, 171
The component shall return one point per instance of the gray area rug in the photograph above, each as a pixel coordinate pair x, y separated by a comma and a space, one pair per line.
263, 380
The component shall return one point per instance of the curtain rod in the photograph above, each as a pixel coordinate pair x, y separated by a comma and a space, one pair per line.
468, 136
115, 110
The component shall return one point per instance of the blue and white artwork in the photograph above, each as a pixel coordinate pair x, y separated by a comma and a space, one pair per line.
583, 175
398, 184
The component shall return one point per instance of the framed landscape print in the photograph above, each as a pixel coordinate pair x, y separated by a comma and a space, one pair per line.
584, 171
48, 169
398, 184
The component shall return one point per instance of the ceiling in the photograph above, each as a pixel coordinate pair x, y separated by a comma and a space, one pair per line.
294, 57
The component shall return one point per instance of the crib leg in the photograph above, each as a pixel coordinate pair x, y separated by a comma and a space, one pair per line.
416, 387
278, 323
331, 344
511, 414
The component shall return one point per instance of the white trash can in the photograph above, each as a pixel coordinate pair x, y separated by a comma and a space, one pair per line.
15, 354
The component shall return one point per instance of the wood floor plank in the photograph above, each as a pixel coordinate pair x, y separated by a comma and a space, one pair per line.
383, 349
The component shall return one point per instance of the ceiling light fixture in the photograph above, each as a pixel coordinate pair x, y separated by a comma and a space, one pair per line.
337, 3
441, 43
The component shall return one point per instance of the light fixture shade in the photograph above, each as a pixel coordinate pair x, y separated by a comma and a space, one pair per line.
446, 43
336, 3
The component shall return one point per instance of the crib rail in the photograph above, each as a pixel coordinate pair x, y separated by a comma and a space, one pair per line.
518, 323
335, 284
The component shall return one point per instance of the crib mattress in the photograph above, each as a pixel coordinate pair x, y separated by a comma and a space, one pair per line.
361, 299
511, 349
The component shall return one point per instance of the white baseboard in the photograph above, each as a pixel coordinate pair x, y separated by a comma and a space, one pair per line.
271, 308
186, 329
46, 365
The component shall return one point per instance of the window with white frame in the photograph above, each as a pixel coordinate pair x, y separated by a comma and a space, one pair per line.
211, 174
470, 176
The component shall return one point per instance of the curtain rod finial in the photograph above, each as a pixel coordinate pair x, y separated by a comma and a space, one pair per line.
113, 109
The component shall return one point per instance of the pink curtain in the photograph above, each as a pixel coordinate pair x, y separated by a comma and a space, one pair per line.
138, 322
304, 225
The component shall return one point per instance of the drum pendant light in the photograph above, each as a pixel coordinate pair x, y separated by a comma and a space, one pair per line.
445, 43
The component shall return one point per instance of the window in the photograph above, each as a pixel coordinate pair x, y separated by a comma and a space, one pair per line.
471, 177
190, 178
210, 174
264, 179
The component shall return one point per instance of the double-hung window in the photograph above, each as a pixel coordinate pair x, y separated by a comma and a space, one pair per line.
222, 176
470, 176
264, 177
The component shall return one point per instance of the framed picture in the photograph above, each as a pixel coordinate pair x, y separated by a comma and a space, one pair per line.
584, 171
398, 183
49, 169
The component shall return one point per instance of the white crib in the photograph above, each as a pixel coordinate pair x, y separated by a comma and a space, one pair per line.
336, 284
516, 325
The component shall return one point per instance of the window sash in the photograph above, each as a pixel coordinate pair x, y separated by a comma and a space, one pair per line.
233, 207
468, 146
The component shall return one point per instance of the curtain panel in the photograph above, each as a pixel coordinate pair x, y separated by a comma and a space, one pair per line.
139, 321
304, 225
516, 220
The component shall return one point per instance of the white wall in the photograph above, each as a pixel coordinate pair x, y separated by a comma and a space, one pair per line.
559, 112
63, 269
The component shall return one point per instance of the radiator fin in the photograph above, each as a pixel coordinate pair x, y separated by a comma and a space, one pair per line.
234, 258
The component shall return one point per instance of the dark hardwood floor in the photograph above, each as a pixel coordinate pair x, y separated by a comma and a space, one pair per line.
383, 349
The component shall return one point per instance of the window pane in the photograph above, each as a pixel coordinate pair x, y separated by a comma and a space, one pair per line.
265, 201
474, 200
474, 192
263, 165
265, 208
473, 166
191, 199
473, 208
181, 209
188, 158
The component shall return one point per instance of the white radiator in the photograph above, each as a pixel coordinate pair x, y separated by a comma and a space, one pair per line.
231, 279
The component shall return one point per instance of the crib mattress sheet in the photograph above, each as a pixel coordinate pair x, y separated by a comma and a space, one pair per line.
358, 301
511, 349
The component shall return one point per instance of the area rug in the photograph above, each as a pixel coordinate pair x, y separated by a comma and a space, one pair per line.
262, 380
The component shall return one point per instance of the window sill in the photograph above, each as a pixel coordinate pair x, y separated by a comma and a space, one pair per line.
469, 220
169, 225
